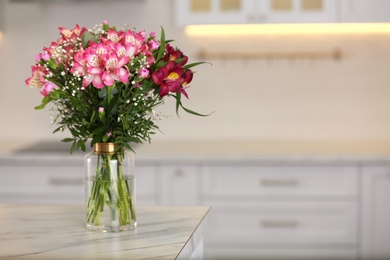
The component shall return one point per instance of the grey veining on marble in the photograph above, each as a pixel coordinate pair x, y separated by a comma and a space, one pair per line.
58, 232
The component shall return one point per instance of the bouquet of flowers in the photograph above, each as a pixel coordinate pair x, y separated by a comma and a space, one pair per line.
104, 84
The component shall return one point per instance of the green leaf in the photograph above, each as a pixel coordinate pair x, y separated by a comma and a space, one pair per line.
67, 140
93, 117
179, 104
106, 27
102, 93
195, 64
161, 64
73, 147
52, 63
55, 94
46, 100
81, 145
147, 85
162, 46
86, 37
57, 129
112, 108
99, 130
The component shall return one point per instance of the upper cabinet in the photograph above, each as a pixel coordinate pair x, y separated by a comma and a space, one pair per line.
211, 11
254, 11
360, 11
280, 11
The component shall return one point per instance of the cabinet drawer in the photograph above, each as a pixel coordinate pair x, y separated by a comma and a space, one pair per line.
42, 179
266, 252
244, 181
179, 185
285, 223
52, 184
146, 185
42, 184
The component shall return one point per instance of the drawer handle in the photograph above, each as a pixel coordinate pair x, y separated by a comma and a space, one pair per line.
279, 182
278, 224
66, 181
179, 173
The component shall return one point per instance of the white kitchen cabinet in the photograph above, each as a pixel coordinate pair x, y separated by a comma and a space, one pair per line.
261, 209
301, 211
254, 11
315, 229
293, 11
146, 184
41, 184
376, 212
362, 11
211, 11
55, 181
280, 222
179, 185
291, 181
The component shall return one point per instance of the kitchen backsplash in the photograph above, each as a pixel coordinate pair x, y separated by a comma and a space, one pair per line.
253, 98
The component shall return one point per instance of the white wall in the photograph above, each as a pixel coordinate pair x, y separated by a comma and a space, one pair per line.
252, 99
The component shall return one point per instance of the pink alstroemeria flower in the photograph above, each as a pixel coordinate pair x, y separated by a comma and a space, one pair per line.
144, 73
154, 44
95, 57
119, 49
134, 42
90, 74
79, 67
44, 56
72, 34
47, 88
37, 79
115, 70
113, 36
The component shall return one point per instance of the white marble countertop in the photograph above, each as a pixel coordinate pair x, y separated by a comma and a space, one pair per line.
204, 151
57, 232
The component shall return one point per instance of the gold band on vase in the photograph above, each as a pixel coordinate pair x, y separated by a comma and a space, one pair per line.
104, 148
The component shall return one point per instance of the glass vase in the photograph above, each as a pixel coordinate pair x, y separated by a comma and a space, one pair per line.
110, 189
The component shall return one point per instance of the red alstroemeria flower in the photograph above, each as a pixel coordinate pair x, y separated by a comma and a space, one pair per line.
170, 78
174, 54
187, 77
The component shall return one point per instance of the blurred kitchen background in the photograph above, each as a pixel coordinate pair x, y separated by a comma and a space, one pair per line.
295, 157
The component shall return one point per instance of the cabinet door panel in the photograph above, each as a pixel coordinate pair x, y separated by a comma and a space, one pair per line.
42, 184
376, 213
267, 252
179, 185
146, 185
41, 178
212, 11
62, 184
295, 181
284, 222
361, 11
297, 11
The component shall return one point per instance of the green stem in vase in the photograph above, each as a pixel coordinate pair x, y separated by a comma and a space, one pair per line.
110, 191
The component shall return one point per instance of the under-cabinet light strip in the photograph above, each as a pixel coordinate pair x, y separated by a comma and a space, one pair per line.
281, 29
